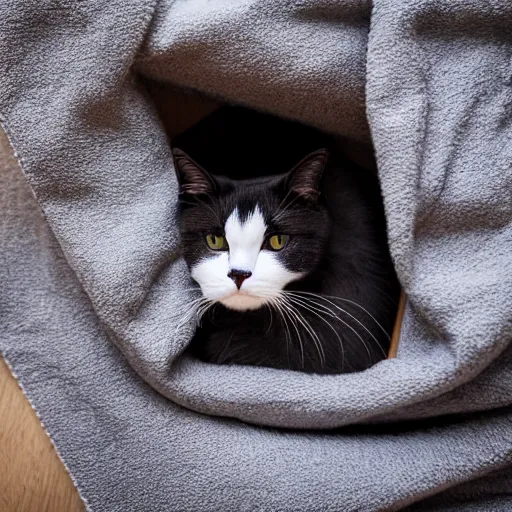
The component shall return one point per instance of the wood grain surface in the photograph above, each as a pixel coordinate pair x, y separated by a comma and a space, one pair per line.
32, 477
395, 338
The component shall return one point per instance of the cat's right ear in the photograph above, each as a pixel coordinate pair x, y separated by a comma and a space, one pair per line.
304, 178
192, 178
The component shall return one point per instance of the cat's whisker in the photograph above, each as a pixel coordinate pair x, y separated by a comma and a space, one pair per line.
281, 211
284, 200
263, 295
194, 303
299, 338
360, 323
308, 328
187, 317
287, 332
203, 309
186, 306
372, 336
340, 341
285, 313
312, 310
191, 308
351, 328
363, 309
272, 303
309, 308
326, 297
281, 205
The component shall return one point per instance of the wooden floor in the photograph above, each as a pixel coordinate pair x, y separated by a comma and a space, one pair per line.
32, 477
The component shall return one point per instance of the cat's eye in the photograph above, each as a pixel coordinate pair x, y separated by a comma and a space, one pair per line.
277, 242
216, 243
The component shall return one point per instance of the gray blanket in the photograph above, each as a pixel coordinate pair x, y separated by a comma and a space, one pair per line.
92, 285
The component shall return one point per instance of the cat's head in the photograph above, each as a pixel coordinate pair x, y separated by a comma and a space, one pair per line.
245, 240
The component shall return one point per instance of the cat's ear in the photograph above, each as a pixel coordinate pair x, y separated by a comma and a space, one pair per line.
304, 178
192, 178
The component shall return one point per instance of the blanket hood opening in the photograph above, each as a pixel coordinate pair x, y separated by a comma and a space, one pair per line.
220, 390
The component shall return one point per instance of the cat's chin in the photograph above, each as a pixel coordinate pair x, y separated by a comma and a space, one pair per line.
243, 302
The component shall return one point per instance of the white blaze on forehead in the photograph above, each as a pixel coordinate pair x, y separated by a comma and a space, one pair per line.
244, 239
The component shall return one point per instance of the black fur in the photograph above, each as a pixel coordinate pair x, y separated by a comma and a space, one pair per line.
337, 236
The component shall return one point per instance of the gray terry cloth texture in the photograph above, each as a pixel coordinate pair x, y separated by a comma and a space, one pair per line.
92, 286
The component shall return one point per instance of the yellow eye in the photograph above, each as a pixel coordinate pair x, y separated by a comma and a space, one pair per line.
216, 243
277, 242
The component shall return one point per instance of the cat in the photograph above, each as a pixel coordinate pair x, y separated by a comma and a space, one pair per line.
293, 263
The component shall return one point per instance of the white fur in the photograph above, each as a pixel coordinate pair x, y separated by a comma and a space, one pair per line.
268, 277
245, 239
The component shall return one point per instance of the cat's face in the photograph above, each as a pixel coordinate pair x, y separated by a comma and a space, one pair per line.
244, 241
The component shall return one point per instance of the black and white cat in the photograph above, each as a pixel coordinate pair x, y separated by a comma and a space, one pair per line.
293, 267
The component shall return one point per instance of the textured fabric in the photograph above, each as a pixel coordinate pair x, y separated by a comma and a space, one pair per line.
92, 284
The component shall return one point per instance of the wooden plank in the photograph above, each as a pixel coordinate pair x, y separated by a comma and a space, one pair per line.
32, 477
395, 338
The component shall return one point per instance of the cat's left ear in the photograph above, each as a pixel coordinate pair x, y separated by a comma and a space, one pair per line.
304, 178
192, 178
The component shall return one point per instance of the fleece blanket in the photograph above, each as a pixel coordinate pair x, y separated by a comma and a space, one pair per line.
92, 282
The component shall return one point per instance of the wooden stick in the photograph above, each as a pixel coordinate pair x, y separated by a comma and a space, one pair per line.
395, 338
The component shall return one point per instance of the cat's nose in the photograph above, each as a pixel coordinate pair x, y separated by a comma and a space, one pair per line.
239, 276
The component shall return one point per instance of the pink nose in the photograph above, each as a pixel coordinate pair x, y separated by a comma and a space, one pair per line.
239, 276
